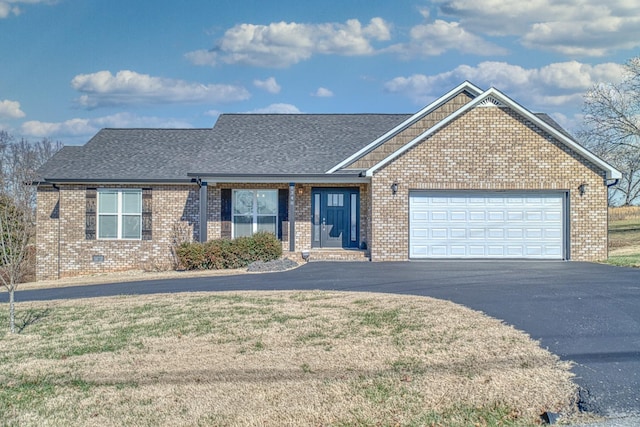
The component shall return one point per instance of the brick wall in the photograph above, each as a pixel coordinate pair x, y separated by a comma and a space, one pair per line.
62, 249
401, 139
489, 149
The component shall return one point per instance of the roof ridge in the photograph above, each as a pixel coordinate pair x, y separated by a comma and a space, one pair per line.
140, 128
315, 114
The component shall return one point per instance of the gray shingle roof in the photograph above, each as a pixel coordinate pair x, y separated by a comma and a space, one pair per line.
238, 143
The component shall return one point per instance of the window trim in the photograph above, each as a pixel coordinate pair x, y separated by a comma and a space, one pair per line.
119, 214
254, 210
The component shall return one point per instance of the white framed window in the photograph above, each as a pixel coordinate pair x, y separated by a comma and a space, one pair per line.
253, 211
119, 214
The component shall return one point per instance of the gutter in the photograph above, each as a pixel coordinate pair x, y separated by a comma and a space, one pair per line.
318, 178
113, 181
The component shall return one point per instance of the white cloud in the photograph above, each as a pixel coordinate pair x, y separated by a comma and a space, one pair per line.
281, 44
128, 87
557, 84
11, 109
78, 127
8, 7
213, 113
270, 85
277, 109
440, 36
323, 92
569, 27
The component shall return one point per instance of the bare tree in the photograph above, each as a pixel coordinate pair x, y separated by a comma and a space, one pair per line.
19, 162
612, 129
16, 235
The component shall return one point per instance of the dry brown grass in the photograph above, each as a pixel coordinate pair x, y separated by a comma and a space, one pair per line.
624, 213
624, 236
273, 358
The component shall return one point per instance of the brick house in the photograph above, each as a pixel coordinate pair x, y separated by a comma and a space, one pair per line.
471, 175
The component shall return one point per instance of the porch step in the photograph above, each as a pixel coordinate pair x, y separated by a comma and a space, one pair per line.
338, 255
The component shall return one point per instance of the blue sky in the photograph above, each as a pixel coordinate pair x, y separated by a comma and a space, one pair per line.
71, 67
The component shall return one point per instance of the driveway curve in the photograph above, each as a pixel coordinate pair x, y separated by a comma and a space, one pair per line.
583, 312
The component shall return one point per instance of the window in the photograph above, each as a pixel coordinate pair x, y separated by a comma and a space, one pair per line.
253, 211
335, 199
119, 214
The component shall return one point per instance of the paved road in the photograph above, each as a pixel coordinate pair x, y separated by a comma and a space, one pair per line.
587, 313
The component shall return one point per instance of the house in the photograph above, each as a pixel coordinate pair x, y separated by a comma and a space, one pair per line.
472, 175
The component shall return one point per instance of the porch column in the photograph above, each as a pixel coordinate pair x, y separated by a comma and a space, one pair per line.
202, 215
292, 217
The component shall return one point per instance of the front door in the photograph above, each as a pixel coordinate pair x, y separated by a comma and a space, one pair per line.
335, 217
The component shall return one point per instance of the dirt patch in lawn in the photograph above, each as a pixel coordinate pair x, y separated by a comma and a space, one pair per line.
273, 358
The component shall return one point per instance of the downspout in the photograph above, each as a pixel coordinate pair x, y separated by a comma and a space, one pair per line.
292, 217
202, 214
59, 226
609, 185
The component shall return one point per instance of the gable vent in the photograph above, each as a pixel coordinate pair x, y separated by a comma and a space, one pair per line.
490, 102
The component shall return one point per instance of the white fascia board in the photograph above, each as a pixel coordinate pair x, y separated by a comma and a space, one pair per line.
612, 173
424, 134
469, 87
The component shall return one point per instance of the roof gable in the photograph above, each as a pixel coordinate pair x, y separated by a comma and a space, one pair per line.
466, 86
494, 98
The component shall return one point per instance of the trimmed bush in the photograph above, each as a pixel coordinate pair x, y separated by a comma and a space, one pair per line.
224, 253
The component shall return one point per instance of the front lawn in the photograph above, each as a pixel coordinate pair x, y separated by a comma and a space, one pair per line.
273, 358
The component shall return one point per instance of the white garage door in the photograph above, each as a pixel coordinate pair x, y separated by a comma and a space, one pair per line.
482, 225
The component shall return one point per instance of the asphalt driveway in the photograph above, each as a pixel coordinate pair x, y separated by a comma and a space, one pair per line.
587, 313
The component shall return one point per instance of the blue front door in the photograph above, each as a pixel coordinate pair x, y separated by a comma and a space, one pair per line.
335, 214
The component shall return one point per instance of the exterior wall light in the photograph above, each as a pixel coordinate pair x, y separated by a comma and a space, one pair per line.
394, 188
582, 188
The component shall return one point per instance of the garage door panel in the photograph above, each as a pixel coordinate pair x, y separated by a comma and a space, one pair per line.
468, 225
458, 251
477, 251
495, 251
457, 233
515, 216
533, 233
458, 216
477, 233
419, 216
515, 251
477, 216
420, 233
439, 250
495, 215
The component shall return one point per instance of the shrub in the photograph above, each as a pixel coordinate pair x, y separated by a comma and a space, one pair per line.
225, 253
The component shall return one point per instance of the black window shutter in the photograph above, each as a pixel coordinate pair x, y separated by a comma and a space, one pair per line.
225, 213
90, 213
147, 208
283, 213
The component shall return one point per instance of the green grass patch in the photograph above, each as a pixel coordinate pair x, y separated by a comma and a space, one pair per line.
624, 260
